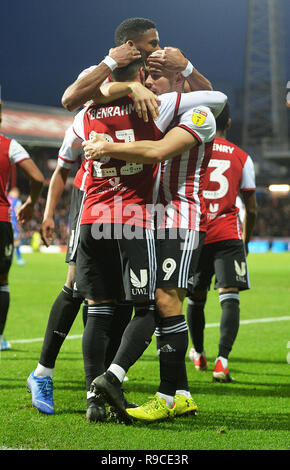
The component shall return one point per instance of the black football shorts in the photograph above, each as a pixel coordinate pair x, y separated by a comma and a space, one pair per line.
178, 253
75, 212
226, 260
111, 264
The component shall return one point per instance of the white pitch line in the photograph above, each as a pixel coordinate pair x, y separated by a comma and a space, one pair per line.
36, 340
209, 325
257, 320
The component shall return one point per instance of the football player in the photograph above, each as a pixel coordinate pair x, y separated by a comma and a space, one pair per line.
230, 173
12, 153
181, 183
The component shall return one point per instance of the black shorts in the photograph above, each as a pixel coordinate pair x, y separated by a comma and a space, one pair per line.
227, 260
177, 254
110, 265
139, 266
76, 204
98, 267
6, 246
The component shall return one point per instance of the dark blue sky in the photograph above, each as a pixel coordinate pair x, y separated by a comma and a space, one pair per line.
45, 44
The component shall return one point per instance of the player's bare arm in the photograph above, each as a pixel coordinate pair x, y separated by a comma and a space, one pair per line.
144, 99
171, 59
84, 88
55, 190
36, 182
250, 202
172, 144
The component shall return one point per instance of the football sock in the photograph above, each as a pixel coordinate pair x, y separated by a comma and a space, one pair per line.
229, 326
172, 343
42, 371
61, 318
4, 306
118, 371
95, 340
121, 318
169, 399
196, 323
137, 336
185, 393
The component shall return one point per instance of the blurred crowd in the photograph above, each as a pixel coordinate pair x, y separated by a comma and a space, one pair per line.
273, 216
60, 219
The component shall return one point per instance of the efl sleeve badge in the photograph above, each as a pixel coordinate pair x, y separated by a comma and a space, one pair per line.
198, 117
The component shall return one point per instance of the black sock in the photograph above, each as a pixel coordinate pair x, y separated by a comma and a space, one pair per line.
61, 318
230, 320
95, 340
196, 323
172, 343
137, 336
4, 306
120, 320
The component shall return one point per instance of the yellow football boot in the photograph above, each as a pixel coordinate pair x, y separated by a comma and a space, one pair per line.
153, 410
184, 405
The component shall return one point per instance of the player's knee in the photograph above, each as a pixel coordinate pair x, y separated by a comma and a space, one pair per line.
70, 278
224, 290
169, 302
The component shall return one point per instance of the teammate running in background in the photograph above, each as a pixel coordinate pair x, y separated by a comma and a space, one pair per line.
11, 152
230, 172
15, 204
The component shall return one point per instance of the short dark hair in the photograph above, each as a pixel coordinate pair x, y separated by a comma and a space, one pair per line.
131, 28
128, 73
223, 117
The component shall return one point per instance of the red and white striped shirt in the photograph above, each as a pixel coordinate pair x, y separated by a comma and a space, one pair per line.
182, 177
11, 152
117, 191
120, 192
230, 171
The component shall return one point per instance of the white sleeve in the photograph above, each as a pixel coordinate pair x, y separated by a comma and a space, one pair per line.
168, 108
70, 150
215, 100
200, 122
16, 152
78, 124
248, 176
241, 207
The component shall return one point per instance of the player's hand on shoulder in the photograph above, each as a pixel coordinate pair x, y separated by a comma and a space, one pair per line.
144, 100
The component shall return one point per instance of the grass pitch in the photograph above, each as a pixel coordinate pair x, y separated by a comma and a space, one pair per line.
250, 414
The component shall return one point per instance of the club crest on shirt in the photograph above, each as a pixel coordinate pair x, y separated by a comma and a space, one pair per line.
198, 116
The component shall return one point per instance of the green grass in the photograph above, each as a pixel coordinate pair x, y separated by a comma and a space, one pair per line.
251, 414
